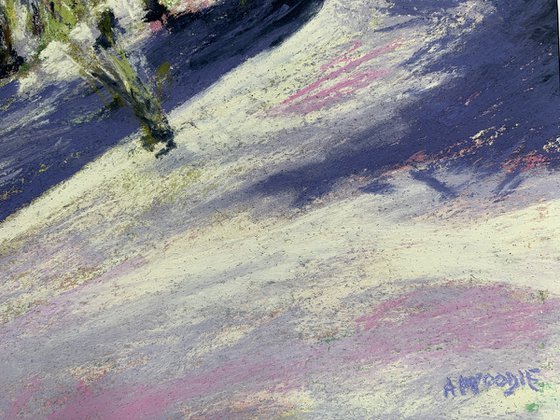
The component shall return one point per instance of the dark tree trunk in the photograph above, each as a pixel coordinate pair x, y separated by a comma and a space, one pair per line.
9, 59
37, 27
156, 129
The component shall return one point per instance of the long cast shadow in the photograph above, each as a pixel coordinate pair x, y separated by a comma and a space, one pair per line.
205, 45
509, 86
71, 128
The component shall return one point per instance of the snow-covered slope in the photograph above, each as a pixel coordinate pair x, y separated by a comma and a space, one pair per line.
352, 220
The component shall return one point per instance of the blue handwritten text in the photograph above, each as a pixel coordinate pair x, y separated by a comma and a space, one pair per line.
506, 380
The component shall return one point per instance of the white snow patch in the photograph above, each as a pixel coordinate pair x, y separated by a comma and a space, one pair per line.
84, 34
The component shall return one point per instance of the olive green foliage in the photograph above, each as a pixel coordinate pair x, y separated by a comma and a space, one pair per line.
10, 13
9, 59
59, 17
106, 63
109, 64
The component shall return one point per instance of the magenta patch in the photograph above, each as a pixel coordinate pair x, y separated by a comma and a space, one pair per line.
442, 320
337, 83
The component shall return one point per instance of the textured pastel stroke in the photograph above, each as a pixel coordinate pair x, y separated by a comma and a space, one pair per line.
361, 210
343, 81
455, 320
426, 331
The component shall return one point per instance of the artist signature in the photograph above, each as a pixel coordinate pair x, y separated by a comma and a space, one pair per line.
501, 380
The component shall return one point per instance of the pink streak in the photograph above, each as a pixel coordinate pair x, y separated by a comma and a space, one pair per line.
342, 58
156, 26
23, 398
350, 66
141, 401
44, 314
332, 94
449, 320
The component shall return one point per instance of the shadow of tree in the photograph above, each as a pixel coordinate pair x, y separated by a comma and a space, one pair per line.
508, 88
215, 40
201, 47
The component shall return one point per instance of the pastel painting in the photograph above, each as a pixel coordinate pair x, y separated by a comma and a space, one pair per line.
266, 209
